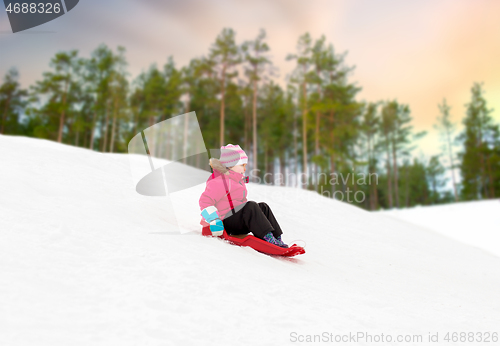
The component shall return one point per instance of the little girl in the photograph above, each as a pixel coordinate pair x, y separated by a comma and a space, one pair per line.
224, 203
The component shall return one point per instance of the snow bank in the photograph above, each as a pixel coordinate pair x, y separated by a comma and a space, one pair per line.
84, 260
475, 223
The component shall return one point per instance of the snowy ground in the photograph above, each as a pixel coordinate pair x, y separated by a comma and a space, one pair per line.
474, 223
84, 260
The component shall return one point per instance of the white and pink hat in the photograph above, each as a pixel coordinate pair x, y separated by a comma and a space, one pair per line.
232, 155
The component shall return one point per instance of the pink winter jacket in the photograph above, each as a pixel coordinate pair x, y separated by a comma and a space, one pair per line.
215, 191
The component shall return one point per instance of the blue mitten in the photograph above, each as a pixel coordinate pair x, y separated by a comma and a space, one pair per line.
211, 217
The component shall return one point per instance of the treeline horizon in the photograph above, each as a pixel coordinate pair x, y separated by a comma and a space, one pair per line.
313, 127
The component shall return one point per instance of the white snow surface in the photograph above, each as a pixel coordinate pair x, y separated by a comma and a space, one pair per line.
475, 223
85, 260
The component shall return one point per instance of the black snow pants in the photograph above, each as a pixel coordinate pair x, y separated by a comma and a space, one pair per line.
253, 217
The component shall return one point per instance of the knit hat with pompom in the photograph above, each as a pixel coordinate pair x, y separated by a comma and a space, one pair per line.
232, 155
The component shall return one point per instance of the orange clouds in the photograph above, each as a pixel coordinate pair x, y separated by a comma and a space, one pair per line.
463, 47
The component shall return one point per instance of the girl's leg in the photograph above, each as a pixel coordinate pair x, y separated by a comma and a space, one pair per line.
234, 224
250, 218
272, 220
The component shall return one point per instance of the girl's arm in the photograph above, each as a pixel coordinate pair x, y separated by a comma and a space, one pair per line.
211, 195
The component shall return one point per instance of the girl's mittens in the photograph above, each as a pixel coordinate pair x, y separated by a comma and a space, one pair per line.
217, 227
211, 217
210, 214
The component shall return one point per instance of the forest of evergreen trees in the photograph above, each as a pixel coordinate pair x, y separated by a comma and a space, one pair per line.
314, 127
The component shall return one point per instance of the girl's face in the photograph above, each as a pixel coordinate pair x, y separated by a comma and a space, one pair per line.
240, 168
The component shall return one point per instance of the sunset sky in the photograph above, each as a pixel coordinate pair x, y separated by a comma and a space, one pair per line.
417, 52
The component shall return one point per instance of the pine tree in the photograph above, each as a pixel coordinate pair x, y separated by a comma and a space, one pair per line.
274, 134
225, 55
61, 87
340, 109
302, 77
173, 89
320, 62
479, 165
400, 141
12, 103
398, 135
370, 125
203, 90
116, 84
435, 172
446, 129
418, 185
99, 71
119, 92
387, 129
254, 53
246, 93
234, 114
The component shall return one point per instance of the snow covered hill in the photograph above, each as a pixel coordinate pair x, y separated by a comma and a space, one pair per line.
475, 223
85, 260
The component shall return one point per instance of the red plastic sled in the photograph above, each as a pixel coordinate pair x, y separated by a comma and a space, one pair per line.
256, 243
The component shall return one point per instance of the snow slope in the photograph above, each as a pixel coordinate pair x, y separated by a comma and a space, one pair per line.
475, 223
84, 260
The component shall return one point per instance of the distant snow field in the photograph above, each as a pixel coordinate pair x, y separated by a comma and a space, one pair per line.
474, 223
85, 260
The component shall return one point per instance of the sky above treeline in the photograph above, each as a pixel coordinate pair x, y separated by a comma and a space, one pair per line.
416, 52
